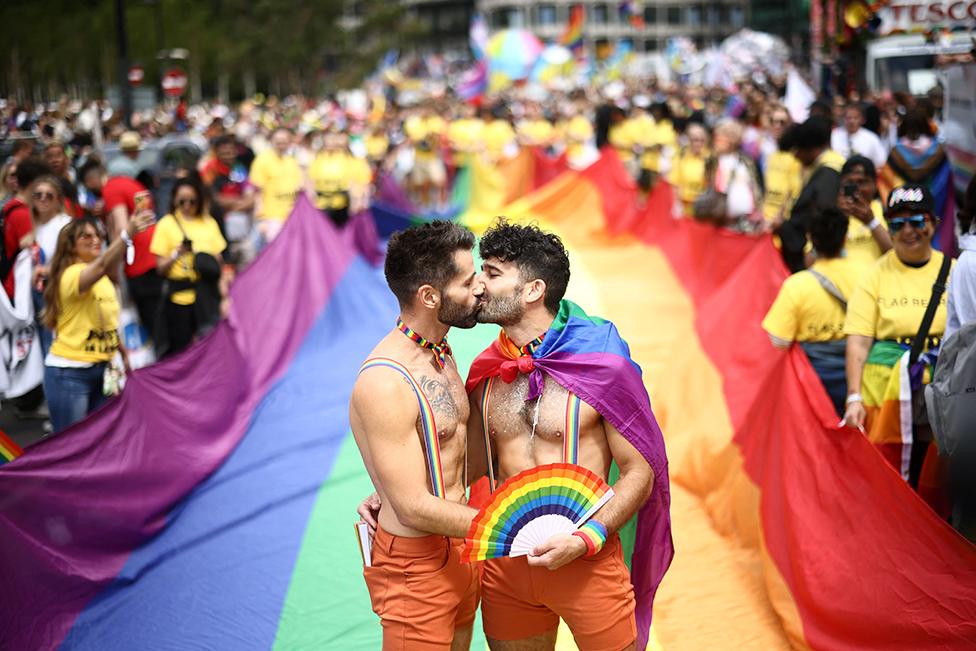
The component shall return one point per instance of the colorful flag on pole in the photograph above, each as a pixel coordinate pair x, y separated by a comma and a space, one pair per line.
631, 13
572, 38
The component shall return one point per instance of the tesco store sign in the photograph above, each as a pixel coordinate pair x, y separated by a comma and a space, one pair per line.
900, 16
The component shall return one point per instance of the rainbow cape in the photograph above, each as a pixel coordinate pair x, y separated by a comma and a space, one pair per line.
586, 355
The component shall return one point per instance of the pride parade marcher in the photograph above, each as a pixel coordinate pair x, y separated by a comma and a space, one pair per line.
82, 308
559, 386
886, 324
812, 304
278, 178
867, 236
425, 596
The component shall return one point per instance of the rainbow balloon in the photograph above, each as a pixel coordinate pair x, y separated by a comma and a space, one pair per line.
531, 507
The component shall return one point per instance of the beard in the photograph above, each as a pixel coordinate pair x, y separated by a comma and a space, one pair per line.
503, 310
457, 315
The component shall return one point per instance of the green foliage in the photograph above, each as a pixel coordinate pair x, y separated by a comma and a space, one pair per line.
288, 45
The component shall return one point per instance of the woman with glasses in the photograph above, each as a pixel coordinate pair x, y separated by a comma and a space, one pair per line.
82, 308
47, 213
188, 247
782, 172
884, 316
867, 235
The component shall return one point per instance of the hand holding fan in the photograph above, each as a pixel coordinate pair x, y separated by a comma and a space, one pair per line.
533, 506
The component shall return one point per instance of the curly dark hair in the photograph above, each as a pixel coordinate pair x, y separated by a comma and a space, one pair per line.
828, 232
536, 253
424, 255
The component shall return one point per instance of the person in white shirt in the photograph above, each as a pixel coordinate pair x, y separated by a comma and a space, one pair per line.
852, 138
962, 292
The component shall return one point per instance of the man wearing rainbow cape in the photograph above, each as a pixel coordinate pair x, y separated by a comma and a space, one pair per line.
559, 385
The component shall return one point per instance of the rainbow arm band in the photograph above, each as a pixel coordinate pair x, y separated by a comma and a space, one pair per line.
594, 534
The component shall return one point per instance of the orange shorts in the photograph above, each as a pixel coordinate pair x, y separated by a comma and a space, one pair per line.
421, 590
593, 595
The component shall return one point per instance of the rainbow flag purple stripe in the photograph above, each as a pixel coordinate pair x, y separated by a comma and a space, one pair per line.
186, 512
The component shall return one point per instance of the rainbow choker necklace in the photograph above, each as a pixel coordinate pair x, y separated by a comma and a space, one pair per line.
441, 351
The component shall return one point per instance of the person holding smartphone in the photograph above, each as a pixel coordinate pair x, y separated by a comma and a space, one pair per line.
867, 236
187, 244
82, 308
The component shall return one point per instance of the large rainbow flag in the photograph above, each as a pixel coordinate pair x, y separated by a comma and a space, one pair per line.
210, 506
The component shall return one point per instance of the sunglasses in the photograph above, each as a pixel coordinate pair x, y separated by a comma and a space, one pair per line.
186, 202
47, 196
916, 221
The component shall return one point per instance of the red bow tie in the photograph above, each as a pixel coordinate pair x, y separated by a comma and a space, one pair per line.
513, 367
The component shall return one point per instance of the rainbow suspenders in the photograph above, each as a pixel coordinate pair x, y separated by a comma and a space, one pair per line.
432, 448
570, 437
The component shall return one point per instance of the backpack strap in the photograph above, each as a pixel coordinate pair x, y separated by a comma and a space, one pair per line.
830, 287
432, 448
938, 289
485, 400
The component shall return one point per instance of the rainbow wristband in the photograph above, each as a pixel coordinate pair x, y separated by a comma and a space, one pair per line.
594, 534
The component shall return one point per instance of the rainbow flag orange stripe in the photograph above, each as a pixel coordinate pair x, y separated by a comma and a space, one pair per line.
8, 449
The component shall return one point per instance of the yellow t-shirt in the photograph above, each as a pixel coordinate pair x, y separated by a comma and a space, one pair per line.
334, 173
465, 134
784, 179
577, 132
642, 127
425, 134
890, 301
861, 247
536, 132
498, 135
688, 176
88, 324
805, 311
205, 235
376, 146
280, 180
662, 135
622, 137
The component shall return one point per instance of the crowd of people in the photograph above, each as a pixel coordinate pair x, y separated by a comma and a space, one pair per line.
854, 195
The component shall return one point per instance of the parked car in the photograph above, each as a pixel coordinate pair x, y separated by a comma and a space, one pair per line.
163, 161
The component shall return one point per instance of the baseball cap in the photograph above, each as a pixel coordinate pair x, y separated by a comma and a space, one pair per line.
910, 197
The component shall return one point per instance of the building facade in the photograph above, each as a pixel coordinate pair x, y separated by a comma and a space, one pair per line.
705, 23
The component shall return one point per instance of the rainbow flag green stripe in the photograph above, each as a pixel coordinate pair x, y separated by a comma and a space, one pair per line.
432, 448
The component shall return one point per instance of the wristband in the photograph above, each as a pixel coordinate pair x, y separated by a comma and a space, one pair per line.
594, 534
854, 397
130, 249
873, 224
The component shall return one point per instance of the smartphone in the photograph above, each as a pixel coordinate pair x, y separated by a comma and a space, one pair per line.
142, 201
850, 190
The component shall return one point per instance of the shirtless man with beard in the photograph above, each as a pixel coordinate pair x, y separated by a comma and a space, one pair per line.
582, 577
409, 415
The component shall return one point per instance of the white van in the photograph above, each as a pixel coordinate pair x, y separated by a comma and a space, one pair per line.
907, 63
